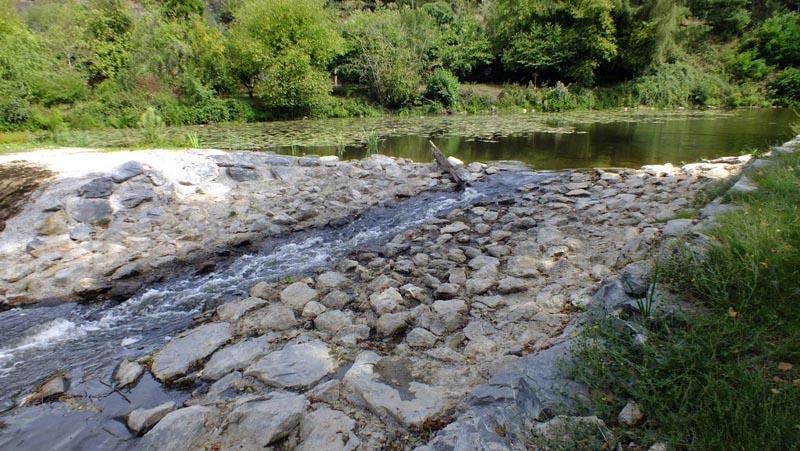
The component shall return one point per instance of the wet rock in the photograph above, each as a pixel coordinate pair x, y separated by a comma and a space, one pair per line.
234, 310
182, 352
332, 321
127, 372
127, 171
99, 188
421, 338
296, 365
390, 324
54, 386
275, 317
387, 301
416, 403
297, 295
257, 423
180, 430
631, 414
141, 420
90, 211
329, 430
235, 357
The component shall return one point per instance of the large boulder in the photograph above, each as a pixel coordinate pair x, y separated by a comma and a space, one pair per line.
184, 351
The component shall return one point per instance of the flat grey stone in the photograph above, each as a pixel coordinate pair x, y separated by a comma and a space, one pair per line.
275, 317
180, 430
131, 195
234, 310
241, 174
328, 429
296, 365
677, 227
90, 211
255, 424
99, 188
235, 357
412, 407
182, 352
297, 295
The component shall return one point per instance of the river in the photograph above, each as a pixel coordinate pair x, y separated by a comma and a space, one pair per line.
87, 340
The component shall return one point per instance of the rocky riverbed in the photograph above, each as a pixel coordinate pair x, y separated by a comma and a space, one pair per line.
385, 347
109, 222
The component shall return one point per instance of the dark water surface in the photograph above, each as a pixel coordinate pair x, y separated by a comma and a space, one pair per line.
547, 142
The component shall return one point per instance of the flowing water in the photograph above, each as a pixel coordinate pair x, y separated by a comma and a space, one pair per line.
88, 340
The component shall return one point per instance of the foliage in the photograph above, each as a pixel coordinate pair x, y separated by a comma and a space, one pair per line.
567, 39
786, 87
443, 87
726, 17
778, 39
279, 51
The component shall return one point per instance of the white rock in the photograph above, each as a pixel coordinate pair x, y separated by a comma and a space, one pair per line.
256, 423
235, 357
297, 295
182, 352
328, 429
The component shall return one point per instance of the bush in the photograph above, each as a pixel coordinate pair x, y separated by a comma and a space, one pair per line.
778, 39
785, 89
747, 65
14, 113
443, 87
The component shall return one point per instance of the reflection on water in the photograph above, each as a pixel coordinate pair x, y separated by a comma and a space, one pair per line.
605, 144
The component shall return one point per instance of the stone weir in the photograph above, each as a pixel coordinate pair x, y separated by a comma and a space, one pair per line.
390, 345
106, 223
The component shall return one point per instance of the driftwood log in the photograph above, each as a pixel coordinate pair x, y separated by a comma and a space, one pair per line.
445, 165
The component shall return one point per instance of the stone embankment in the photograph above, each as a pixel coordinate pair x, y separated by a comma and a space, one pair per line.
453, 326
106, 223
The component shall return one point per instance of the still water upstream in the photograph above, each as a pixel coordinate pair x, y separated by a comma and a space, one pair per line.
86, 341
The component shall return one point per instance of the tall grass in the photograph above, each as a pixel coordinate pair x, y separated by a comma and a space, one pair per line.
726, 376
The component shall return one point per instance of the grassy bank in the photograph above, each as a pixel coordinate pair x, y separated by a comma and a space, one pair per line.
728, 375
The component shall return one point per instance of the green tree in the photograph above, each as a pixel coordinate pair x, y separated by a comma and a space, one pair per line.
778, 39
280, 51
390, 52
567, 39
109, 25
727, 18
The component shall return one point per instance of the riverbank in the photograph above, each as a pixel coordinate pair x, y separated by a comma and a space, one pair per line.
383, 346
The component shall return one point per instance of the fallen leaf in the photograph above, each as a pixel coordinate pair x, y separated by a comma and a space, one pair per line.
733, 313
785, 366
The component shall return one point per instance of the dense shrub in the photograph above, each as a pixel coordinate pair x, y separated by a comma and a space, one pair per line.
778, 39
443, 87
785, 89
